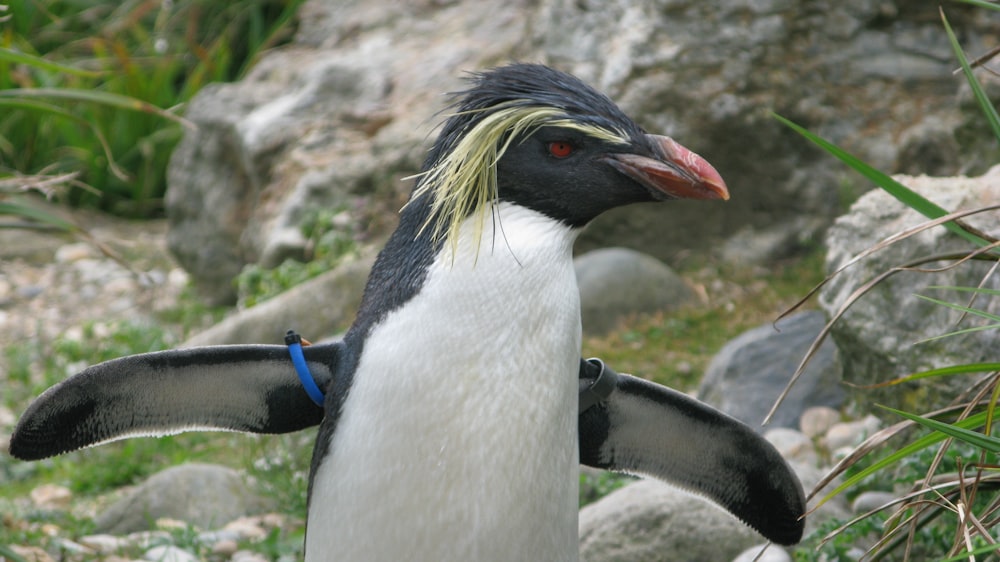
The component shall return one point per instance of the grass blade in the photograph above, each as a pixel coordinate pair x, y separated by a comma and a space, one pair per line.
92, 96
904, 194
941, 372
984, 102
973, 438
966, 309
966, 556
10, 554
961, 332
979, 290
29, 212
981, 4
17, 57
45, 107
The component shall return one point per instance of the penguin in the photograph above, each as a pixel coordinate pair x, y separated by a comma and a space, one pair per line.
455, 411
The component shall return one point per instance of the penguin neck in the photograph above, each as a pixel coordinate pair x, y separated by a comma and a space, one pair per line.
457, 439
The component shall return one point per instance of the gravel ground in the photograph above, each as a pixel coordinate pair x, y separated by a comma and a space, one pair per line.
53, 285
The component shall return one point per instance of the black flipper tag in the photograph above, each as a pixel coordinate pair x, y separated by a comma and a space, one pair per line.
245, 388
597, 382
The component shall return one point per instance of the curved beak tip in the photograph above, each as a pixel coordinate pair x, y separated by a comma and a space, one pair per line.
675, 172
704, 181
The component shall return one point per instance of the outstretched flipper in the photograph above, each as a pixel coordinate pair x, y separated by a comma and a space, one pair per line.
247, 388
626, 424
644, 428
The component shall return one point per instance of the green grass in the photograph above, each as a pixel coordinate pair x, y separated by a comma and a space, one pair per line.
931, 539
328, 243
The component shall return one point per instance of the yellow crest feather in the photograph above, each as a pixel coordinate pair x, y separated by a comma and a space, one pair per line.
464, 182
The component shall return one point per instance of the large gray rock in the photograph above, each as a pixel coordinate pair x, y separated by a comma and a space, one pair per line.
750, 372
202, 495
338, 117
878, 335
334, 121
650, 521
616, 283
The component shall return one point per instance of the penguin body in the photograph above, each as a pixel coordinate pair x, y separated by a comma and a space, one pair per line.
451, 428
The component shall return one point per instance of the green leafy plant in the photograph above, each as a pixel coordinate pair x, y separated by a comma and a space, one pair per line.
328, 242
82, 85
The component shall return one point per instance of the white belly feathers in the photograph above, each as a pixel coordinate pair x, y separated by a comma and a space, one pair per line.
457, 440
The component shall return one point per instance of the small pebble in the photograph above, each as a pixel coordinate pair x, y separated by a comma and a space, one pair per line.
71, 547
178, 278
274, 520
104, 544
841, 435
168, 524
51, 496
74, 252
248, 528
31, 553
148, 539
850, 434
248, 556
792, 444
817, 420
120, 286
169, 554
212, 537
225, 547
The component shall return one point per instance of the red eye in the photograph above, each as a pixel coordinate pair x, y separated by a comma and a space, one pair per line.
560, 149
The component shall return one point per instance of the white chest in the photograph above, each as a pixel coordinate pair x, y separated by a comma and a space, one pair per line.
458, 437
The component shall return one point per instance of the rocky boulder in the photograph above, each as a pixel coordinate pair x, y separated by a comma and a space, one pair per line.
319, 308
202, 495
885, 333
650, 521
750, 372
616, 283
340, 116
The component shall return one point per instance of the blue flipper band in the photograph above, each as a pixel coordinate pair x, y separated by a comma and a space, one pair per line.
294, 343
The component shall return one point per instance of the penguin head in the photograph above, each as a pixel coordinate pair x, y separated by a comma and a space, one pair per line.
543, 139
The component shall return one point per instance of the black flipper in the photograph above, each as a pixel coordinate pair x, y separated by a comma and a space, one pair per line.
247, 388
645, 428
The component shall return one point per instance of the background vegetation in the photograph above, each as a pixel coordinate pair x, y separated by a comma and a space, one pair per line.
89, 90
942, 465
